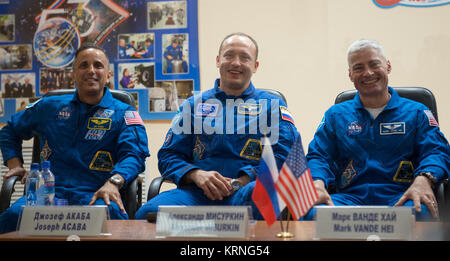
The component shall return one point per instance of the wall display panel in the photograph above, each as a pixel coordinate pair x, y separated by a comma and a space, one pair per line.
152, 46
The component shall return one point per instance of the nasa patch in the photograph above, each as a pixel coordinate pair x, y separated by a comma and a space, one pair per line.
354, 128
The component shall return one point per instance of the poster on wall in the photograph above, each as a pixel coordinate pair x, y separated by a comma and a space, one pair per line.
152, 46
410, 3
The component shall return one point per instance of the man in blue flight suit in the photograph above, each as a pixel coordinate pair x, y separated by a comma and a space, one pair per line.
149, 49
213, 148
95, 143
123, 54
379, 148
174, 52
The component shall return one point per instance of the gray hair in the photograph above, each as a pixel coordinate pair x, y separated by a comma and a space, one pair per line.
240, 34
362, 44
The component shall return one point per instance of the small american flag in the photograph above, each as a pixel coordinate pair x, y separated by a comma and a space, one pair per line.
133, 117
295, 184
431, 120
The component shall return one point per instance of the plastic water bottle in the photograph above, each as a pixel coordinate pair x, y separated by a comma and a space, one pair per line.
49, 181
34, 185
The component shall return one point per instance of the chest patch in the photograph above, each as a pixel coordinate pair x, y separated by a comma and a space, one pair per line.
64, 113
354, 128
405, 172
252, 149
102, 161
207, 109
199, 148
392, 128
249, 109
96, 123
348, 175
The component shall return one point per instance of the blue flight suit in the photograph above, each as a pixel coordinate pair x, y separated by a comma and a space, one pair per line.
123, 53
177, 54
148, 52
85, 144
233, 149
374, 161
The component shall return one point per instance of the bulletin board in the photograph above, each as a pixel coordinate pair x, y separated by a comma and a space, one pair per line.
152, 46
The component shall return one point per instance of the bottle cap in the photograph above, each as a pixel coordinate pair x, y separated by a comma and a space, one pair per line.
35, 166
46, 164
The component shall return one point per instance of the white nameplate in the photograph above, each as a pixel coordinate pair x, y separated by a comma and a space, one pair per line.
63, 220
368, 223
202, 221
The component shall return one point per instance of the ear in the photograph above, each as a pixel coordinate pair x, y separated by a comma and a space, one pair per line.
217, 61
350, 75
108, 77
256, 67
389, 67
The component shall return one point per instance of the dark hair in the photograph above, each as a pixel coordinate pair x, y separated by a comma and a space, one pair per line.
89, 45
240, 34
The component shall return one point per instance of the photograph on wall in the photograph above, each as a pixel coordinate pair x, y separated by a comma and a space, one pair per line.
175, 53
7, 28
136, 46
55, 79
136, 75
146, 41
18, 85
167, 15
169, 95
15, 57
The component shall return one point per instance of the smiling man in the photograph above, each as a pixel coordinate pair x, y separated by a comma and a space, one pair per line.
96, 144
379, 148
214, 158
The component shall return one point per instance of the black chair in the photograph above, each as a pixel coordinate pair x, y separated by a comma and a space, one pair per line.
426, 97
155, 185
131, 194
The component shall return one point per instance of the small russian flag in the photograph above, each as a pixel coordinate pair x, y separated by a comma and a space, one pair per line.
286, 115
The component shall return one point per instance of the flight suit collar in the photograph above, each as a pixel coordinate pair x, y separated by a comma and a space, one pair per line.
392, 104
221, 94
105, 102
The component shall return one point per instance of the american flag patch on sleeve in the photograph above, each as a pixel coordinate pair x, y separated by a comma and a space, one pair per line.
133, 117
431, 120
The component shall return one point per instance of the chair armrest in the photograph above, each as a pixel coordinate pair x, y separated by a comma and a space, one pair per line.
442, 194
133, 190
6, 192
155, 187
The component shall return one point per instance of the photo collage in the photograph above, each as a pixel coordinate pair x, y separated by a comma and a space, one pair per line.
152, 47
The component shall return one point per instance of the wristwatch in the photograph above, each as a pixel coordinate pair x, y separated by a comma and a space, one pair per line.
116, 180
235, 185
429, 176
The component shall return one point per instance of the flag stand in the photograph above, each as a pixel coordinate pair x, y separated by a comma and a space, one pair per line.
285, 230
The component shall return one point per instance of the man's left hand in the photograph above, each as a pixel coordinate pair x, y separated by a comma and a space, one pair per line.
420, 192
109, 192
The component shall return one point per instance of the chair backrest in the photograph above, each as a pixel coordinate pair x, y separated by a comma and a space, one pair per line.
123, 96
418, 94
275, 92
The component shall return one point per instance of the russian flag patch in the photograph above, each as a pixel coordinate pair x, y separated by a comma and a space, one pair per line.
286, 115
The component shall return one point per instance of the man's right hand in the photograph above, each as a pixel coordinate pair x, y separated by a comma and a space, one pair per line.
324, 196
214, 185
15, 169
